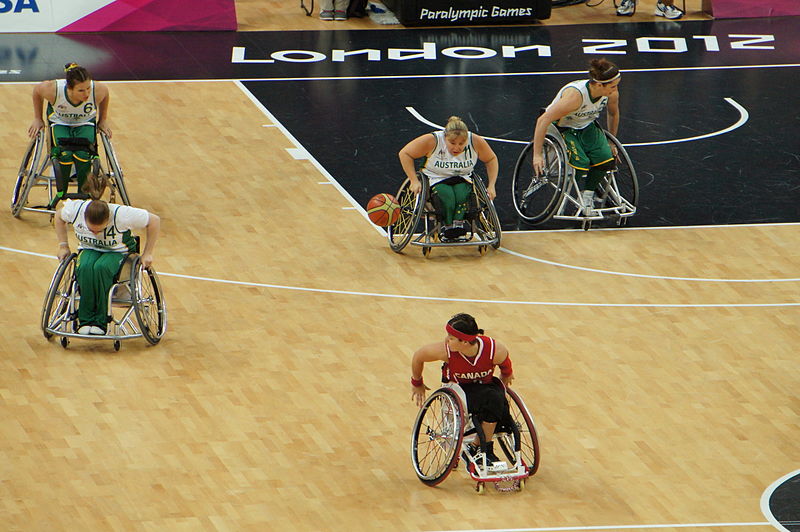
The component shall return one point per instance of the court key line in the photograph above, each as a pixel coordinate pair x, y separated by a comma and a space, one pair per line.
743, 117
434, 298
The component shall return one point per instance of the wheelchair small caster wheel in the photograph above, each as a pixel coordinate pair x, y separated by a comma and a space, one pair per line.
482, 250
116, 345
521, 485
426, 251
480, 487
64, 342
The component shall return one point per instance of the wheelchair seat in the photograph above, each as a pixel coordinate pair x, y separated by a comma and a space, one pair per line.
555, 193
38, 171
438, 441
136, 306
419, 223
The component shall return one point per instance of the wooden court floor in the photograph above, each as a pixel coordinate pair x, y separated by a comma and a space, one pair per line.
662, 376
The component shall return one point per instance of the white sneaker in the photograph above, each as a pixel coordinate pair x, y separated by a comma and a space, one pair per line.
86, 329
670, 12
95, 330
627, 8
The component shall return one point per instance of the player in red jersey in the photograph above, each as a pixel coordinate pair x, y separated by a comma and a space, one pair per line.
469, 359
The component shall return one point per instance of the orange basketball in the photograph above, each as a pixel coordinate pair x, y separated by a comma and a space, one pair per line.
383, 210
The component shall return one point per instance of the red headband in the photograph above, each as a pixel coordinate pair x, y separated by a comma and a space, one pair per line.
460, 335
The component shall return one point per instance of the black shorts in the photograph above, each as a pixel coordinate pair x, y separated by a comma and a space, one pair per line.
486, 401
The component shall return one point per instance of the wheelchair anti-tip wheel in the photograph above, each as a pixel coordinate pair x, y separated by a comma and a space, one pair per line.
437, 437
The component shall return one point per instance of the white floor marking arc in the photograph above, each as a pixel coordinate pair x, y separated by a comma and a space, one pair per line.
743, 117
764, 503
452, 299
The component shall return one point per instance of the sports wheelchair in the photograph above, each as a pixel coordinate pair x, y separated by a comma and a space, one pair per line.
419, 223
136, 304
40, 169
437, 441
555, 193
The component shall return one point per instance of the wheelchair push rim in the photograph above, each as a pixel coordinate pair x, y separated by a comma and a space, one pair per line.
537, 197
438, 436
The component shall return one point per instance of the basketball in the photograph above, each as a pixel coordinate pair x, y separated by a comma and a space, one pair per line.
383, 210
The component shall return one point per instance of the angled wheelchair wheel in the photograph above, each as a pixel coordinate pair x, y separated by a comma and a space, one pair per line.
148, 302
26, 176
58, 309
113, 171
411, 207
529, 441
536, 198
622, 190
487, 221
437, 437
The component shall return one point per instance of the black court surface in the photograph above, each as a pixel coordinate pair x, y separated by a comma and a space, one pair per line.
709, 108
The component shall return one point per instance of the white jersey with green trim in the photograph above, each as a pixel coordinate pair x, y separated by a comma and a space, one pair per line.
117, 234
441, 164
64, 113
588, 111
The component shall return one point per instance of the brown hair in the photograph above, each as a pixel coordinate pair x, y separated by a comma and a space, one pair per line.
97, 212
602, 69
76, 74
465, 323
95, 184
455, 127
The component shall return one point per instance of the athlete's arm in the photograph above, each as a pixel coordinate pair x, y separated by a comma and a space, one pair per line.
46, 90
503, 359
153, 229
417, 148
570, 101
61, 234
102, 97
487, 155
428, 353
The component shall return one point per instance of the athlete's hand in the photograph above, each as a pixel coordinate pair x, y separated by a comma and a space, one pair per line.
507, 380
491, 192
418, 394
538, 164
63, 252
613, 149
147, 260
104, 127
416, 187
35, 127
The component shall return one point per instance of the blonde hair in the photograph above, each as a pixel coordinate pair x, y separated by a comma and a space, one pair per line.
455, 127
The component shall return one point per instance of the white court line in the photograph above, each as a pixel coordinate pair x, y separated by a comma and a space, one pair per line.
613, 527
418, 76
643, 275
743, 117
766, 496
309, 157
449, 299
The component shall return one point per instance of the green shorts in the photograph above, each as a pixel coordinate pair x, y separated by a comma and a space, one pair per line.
587, 147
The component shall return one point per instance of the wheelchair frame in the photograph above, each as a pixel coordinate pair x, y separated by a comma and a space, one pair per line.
555, 194
437, 441
37, 170
418, 223
138, 293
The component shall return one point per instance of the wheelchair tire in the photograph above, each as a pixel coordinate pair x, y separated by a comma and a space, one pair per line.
437, 437
529, 440
536, 198
627, 184
56, 300
113, 170
27, 174
487, 220
148, 302
411, 207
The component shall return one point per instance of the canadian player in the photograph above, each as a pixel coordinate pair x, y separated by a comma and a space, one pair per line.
469, 359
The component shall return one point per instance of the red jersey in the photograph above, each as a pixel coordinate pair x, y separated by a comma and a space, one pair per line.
479, 368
